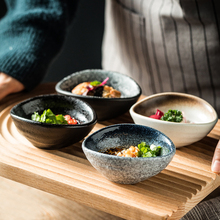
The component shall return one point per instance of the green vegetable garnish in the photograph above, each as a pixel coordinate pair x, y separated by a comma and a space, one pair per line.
147, 151
95, 83
173, 116
49, 117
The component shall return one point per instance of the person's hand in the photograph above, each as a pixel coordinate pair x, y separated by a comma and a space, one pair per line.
216, 159
9, 85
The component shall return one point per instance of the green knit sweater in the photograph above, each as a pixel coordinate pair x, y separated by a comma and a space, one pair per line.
31, 35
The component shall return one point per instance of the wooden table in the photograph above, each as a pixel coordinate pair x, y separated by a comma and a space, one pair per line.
67, 173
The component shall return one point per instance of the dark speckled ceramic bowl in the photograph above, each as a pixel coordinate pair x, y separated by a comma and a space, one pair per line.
127, 170
106, 108
53, 136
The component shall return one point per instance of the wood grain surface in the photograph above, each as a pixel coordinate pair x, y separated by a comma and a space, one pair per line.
66, 174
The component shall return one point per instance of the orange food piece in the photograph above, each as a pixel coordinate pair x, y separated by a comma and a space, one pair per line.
81, 88
109, 92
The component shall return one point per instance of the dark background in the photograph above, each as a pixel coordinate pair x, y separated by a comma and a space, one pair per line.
82, 48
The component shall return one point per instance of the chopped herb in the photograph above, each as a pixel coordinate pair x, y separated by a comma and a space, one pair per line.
95, 83
173, 116
148, 151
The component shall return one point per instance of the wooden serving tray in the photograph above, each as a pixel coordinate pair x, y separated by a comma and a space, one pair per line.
67, 173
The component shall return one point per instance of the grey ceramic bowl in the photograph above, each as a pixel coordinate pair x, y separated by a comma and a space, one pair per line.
126, 170
106, 108
53, 136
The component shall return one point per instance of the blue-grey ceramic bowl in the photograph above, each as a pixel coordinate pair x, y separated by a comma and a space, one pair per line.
106, 108
126, 170
53, 136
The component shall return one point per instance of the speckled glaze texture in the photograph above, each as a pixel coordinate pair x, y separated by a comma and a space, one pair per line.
127, 170
106, 108
53, 136
202, 115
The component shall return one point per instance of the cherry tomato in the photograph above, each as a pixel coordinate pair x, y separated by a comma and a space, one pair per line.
70, 120
67, 117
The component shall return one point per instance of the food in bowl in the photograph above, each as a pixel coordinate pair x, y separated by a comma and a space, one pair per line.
142, 150
50, 118
171, 115
96, 88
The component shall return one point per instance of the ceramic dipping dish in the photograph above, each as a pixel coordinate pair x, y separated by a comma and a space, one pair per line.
105, 108
201, 116
127, 170
53, 136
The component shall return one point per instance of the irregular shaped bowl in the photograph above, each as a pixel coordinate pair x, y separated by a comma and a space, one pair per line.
106, 108
53, 136
127, 170
202, 115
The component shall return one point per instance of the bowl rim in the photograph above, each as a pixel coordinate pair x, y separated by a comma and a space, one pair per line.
132, 112
91, 122
170, 154
61, 91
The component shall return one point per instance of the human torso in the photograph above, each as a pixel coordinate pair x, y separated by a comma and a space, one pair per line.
165, 45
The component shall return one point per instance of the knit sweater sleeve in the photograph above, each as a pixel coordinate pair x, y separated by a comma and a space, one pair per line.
31, 35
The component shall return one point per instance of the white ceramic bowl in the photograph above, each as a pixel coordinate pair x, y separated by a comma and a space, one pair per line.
198, 111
